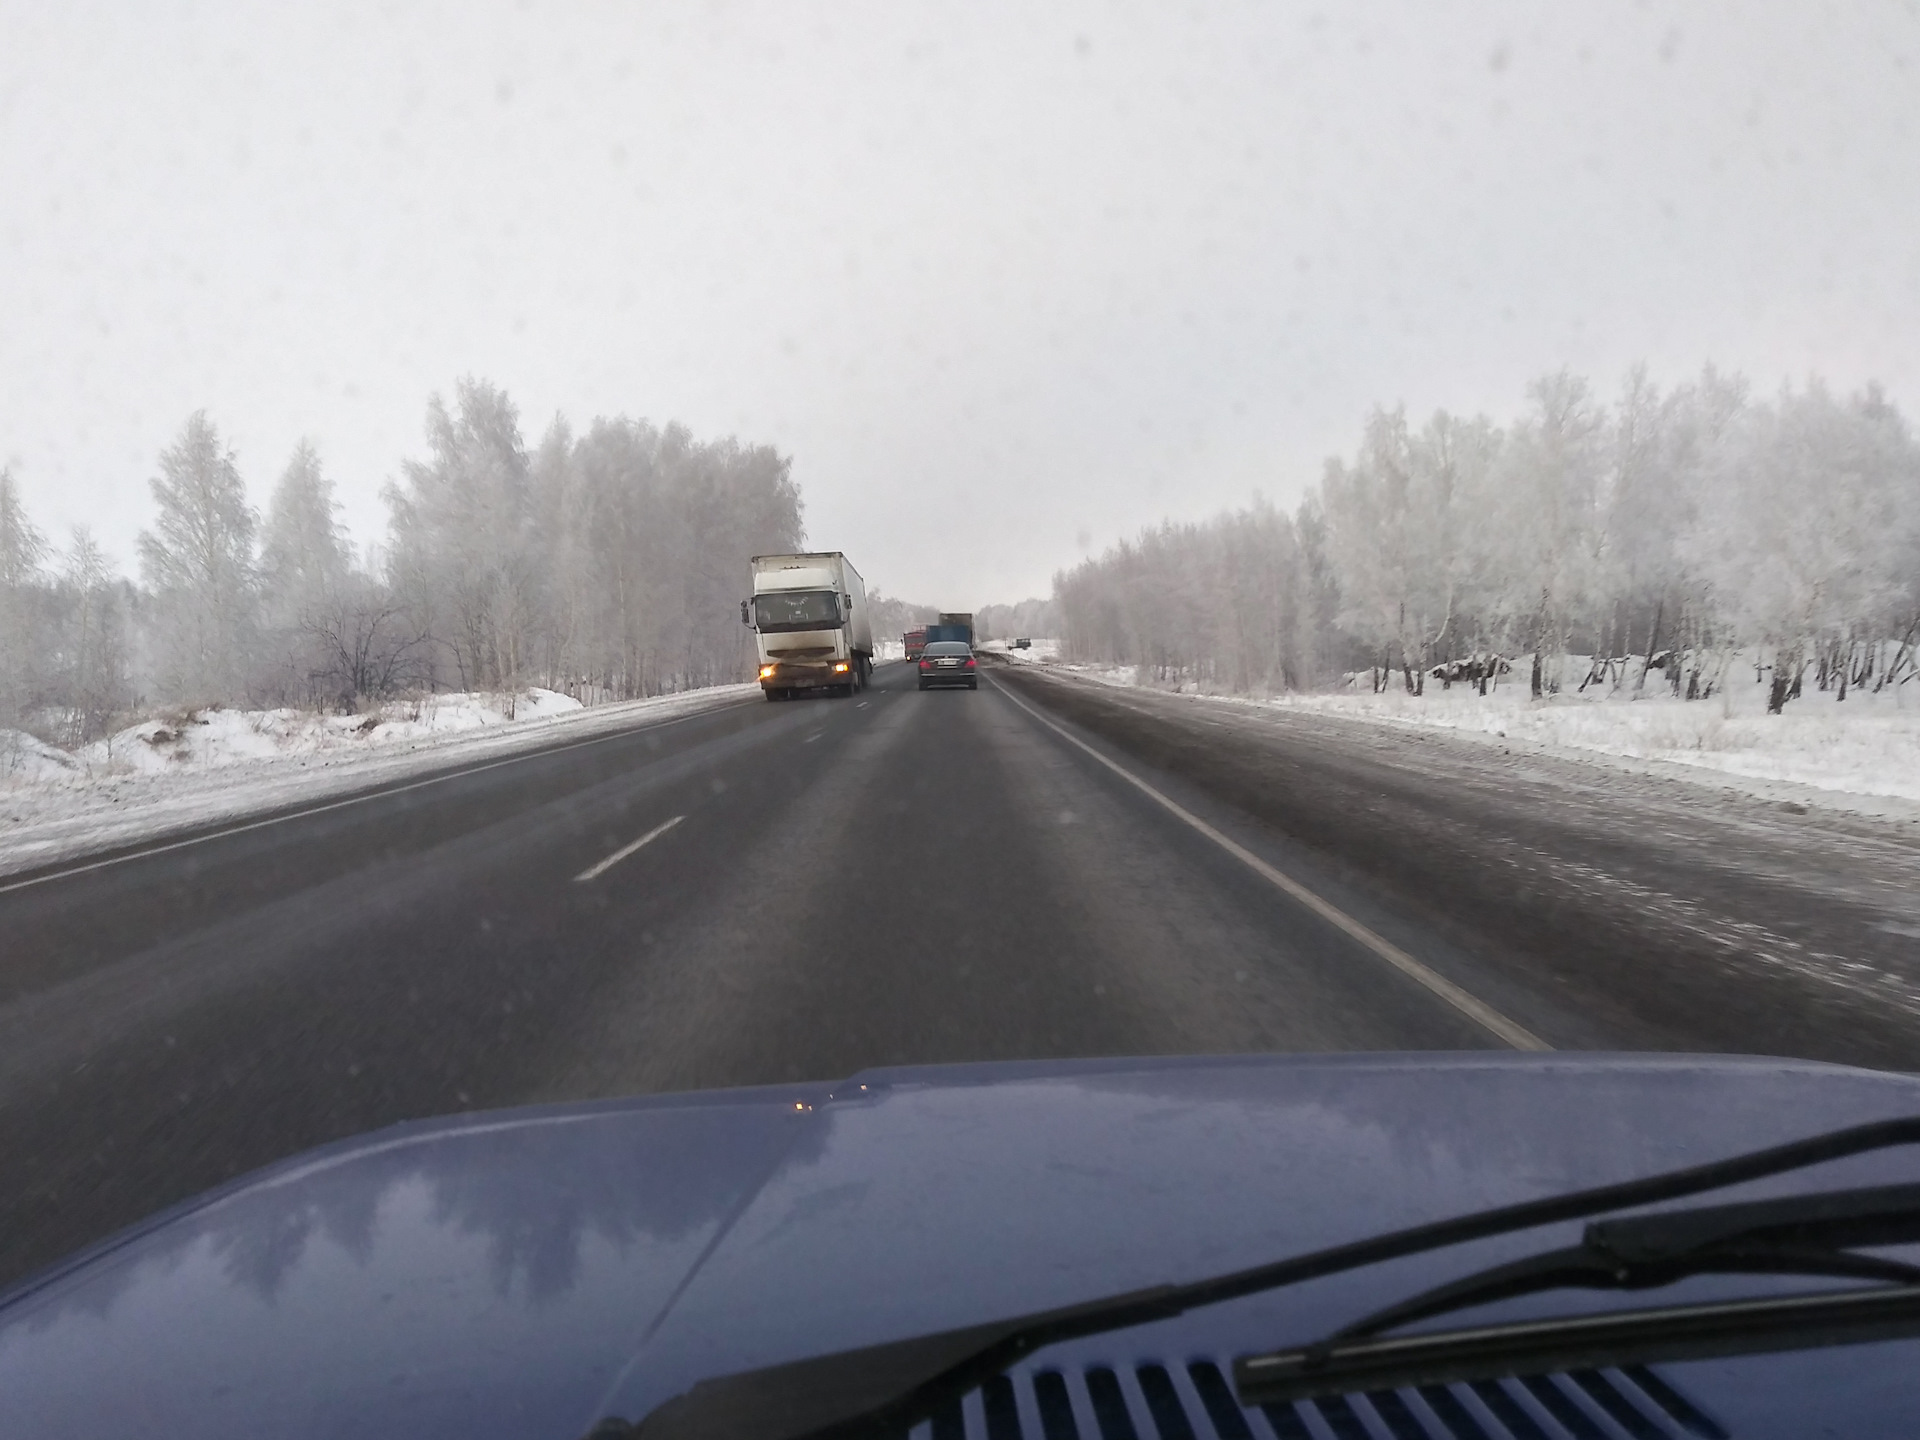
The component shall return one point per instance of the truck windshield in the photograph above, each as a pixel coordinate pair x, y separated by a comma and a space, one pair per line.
797, 610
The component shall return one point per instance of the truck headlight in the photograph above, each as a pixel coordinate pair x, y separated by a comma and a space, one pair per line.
766, 672
840, 665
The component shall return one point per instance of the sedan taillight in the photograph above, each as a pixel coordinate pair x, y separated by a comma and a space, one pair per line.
926, 664
970, 662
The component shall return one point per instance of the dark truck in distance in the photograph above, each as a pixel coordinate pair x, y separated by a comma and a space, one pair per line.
955, 626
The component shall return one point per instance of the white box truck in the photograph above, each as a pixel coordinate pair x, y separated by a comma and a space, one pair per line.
809, 616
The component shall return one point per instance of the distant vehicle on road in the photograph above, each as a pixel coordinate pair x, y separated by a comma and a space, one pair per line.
949, 663
809, 615
915, 640
955, 626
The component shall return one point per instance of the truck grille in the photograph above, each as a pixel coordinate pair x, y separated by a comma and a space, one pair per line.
1152, 1401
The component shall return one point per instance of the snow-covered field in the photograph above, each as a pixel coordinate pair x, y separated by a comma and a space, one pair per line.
1866, 745
1039, 652
1047, 653
218, 765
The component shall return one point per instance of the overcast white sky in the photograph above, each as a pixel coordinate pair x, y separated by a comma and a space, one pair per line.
1006, 281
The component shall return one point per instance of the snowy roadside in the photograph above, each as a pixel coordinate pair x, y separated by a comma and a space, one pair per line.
1861, 755
1046, 654
223, 766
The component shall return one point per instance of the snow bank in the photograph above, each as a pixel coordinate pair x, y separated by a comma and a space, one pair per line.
1866, 745
1047, 652
25, 760
217, 766
210, 739
1039, 651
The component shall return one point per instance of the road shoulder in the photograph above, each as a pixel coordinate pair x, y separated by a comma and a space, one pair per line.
1670, 914
44, 827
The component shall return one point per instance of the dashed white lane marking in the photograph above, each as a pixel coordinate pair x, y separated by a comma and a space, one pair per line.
861, 706
460, 773
813, 737
593, 871
1475, 1009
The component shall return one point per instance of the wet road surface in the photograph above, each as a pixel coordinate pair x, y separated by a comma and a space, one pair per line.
765, 893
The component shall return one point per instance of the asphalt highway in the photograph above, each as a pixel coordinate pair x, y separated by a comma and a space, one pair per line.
769, 893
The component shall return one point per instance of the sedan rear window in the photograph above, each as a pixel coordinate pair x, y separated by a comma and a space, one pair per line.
948, 648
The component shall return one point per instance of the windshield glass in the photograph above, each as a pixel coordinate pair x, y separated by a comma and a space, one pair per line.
796, 610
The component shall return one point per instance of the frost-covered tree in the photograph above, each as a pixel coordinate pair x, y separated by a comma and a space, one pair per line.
197, 561
1812, 513
22, 548
892, 617
91, 685
303, 552
304, 567
617, 616
1227, 603
1550, 514
1677, 528
728, 501
1651, 591
608, 564
464, 556
1406, 531
1031, 617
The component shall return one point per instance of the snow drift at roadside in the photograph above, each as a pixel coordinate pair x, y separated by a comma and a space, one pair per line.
216, 767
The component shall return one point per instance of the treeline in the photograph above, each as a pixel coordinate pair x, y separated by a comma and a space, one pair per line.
605, 564
891, 618
1030, 618
1659, 534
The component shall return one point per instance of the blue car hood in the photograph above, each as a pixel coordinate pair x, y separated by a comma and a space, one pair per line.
526, 1272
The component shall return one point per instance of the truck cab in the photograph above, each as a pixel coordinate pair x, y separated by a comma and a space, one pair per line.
809, 617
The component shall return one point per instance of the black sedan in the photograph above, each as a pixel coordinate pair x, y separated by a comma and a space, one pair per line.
949, 662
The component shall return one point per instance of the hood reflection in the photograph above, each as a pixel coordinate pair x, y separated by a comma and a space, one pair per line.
533, 1191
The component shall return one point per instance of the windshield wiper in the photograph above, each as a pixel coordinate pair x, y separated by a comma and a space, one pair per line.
882, 1390
1586, 1342
1800, 1235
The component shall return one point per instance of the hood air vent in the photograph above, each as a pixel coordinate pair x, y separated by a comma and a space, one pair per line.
1196, 1402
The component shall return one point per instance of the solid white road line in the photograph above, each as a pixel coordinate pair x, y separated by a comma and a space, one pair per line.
360, 799
1481, 1013
593, 871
